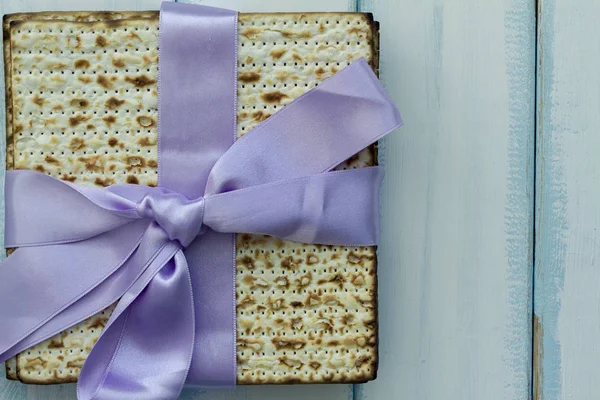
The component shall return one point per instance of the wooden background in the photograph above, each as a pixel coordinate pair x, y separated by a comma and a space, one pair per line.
488, 283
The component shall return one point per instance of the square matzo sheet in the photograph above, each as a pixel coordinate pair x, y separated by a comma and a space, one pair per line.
81, 98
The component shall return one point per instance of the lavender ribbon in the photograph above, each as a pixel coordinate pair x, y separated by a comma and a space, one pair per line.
168, 252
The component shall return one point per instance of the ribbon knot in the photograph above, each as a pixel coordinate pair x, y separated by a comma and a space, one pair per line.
179, 217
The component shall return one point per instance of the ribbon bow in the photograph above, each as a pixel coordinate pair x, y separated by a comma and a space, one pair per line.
168, 252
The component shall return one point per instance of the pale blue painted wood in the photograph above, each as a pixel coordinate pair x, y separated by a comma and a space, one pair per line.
11, 390
551, 199
454, 269
17, 391
567, 276
456, 257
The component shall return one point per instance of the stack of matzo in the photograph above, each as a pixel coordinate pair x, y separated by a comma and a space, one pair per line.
82, 106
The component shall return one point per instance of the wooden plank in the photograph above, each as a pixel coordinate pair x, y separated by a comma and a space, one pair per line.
456, 257
567, 279
17, 391
11, 390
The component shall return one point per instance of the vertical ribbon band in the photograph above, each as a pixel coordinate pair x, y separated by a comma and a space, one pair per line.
197, 101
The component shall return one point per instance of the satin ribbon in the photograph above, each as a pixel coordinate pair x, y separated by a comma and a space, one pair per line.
168, 252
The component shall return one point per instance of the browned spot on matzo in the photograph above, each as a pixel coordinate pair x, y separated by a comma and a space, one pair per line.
104, 82
277, 53
145, 121
113, 103
104, 182
249, 77
37, 100
101, 41
81, 64
76, 143
273, 97
118, 62
140, 81
109, 120
79, 103
77, 119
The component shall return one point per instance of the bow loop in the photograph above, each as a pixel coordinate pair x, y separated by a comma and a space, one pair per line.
179, 217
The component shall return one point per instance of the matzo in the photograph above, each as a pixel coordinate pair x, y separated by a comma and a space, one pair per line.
11, 369
82, 106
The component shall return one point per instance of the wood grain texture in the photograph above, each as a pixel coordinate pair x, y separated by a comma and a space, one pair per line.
457, 201
567, 278
17, 391
68, 392
456, 256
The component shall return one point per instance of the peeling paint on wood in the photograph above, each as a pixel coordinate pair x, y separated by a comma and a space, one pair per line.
550, 219
538, 356
567, 279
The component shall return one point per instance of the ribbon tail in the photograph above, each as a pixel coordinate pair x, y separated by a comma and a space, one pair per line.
146, 349
148, 256
212, 267
340, 207
30, 302
32, 220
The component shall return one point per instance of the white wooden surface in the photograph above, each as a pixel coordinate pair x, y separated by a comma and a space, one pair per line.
456, 260
456, 257
567, 280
